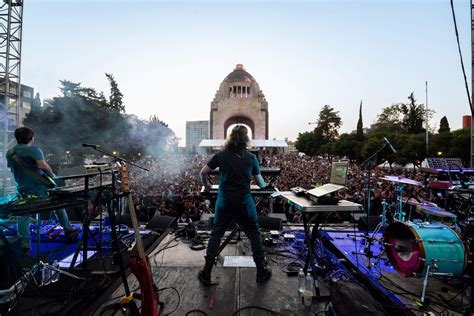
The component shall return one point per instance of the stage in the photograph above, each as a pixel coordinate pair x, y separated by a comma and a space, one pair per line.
175, 266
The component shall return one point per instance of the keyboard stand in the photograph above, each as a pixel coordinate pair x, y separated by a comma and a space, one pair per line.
229, 238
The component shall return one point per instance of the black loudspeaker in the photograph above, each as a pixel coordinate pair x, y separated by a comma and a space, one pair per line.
10, 256
124, 219
161, 223
269, 223
373, 222
209, 218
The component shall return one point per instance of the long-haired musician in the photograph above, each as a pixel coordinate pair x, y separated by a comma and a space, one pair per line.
237, 167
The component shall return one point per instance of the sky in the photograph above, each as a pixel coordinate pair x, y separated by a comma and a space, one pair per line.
169, 57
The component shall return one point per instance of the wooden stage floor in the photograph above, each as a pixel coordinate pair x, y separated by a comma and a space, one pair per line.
178, 267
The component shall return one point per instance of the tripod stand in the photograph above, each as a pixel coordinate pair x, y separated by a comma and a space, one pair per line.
229, 238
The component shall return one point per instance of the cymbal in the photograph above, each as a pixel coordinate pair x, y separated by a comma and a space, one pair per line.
402, 180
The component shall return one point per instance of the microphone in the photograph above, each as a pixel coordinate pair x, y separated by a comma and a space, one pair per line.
389, 145
90, 145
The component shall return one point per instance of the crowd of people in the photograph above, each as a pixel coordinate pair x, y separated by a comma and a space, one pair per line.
171, 186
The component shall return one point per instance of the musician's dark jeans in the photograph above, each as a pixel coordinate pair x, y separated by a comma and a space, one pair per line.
23, 224
244, 213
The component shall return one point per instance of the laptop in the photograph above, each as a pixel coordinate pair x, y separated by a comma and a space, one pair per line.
337, 181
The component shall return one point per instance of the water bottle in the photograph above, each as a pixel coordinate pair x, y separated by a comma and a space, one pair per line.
55, 273
301, 280
45, 274
309, 284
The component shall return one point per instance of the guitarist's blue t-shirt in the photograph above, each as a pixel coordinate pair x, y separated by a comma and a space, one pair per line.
28, 154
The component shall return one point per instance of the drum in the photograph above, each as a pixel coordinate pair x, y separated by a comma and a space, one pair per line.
411, 247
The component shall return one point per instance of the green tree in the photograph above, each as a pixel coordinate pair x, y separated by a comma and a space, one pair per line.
155, 119
116, 96
348, 145
76, 117
36, 101
406, 117
305, 143
371, 145
70, 89
440, 142
326, 130
460, 145
444, 125
413, 116
391, 117
410, 148
327, 124
360, 125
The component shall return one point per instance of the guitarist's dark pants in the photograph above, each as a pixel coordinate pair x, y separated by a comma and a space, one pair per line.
23, 222
244, 213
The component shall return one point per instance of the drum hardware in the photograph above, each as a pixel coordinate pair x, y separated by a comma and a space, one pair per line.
444, 260
425, 284
427, 226
400, 181
399, 213
436, 241
431, 266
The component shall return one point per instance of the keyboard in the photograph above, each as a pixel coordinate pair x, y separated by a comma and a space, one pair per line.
77, 189
25, 207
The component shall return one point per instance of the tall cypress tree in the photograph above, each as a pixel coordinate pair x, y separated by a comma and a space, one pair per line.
116, 96
360, 126
444, 125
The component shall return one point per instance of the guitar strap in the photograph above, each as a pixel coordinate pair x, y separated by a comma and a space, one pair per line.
30, 170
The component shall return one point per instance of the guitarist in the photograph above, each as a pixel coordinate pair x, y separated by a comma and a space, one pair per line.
22, 159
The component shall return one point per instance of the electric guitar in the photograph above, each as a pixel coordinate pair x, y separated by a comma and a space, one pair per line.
140, 264
37, 173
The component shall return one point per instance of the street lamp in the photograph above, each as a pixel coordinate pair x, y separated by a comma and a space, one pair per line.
67, 157
440, 153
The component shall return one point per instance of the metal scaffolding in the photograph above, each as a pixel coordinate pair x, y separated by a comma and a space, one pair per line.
11, 26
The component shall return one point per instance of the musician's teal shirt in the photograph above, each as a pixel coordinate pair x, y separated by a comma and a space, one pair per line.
28, 154
235, 173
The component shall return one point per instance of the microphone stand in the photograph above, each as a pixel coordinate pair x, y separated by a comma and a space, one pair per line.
119, 159
370, 239
115, 245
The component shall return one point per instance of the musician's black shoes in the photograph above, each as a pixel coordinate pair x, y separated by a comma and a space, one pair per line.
263, 275
71, 234
205, 278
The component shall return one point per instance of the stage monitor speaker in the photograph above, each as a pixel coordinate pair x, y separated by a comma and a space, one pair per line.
124, 219
282, 216
10, 256
373, 222
269, 223
160, 223
210, 218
